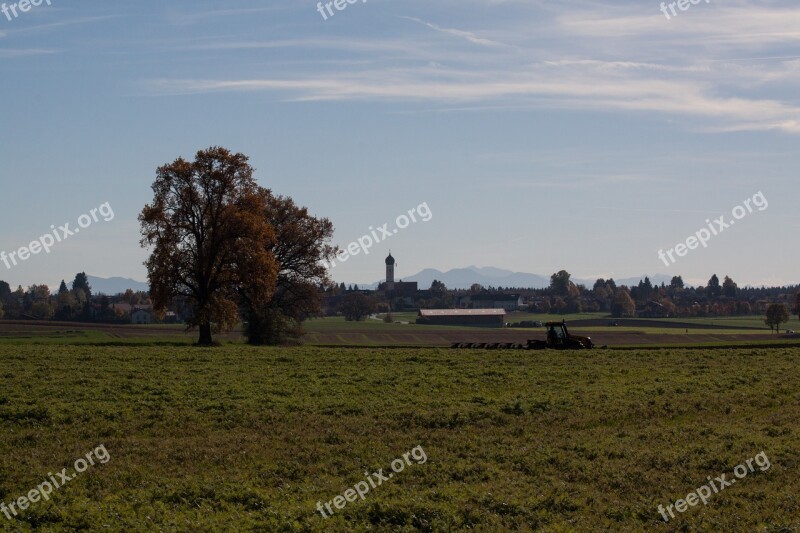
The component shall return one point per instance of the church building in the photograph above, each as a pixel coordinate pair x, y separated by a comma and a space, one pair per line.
396, 289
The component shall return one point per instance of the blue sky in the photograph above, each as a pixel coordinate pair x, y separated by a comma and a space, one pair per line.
542, 135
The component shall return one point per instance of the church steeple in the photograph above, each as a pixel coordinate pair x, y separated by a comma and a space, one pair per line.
390, 264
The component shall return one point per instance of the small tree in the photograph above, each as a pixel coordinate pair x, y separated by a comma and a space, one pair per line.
356, 307
65, 305
729, 288
82, 293
544, 306
623, 306
797, 303
81, 283
559, 283
714, 289
777, 314
39, 298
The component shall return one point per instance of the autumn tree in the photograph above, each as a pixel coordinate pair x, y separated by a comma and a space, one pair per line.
37, 302
729, 288
5, 291
356, 306
65, 303
623, 306
300, 246
544, 306
13, 301
560, 283
797, 303
207, 230
82, 294
5, 296
777, 314
645, 288
438, 289
81, 283
713, 288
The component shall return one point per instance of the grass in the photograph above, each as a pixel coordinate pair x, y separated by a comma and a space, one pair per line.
660, 331
750, 321
53, 337
519, 316
245, 439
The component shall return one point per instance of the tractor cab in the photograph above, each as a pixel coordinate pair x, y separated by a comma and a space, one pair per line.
558, 336
556, 333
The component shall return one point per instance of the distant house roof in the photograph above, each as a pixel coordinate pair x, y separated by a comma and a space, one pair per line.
462, 312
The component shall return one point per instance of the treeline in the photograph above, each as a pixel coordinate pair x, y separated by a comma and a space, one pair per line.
676, 300
75, 304
716, 298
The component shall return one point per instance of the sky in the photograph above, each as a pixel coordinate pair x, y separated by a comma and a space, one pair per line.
538, 135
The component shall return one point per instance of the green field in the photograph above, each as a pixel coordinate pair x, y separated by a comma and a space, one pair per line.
375, 333
245, 439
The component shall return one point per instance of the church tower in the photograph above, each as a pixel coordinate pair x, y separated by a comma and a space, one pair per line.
390, 264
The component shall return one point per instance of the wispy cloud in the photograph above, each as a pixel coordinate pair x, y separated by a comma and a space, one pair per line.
10, 52
650, 65
183, 18
66, 22
582, 86
716, 27
469, 36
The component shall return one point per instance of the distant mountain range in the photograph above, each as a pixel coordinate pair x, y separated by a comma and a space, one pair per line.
112, 286
464, 278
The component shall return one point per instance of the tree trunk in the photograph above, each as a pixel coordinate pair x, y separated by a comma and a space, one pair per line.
205, 335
